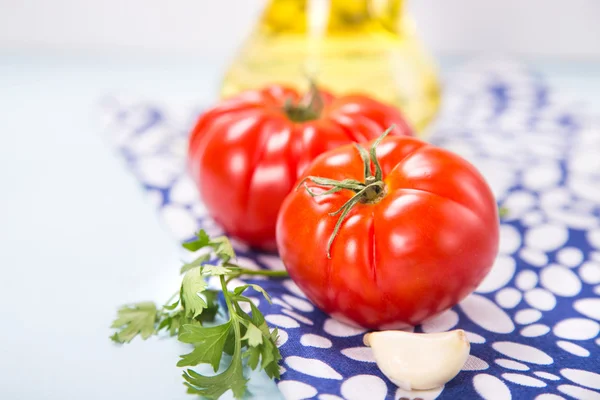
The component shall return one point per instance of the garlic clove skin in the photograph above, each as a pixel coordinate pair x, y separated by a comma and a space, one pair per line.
419, 361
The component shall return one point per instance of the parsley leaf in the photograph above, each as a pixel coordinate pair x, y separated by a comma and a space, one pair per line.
223, 248
196, 263
215, 270
208, 342
133, 320
253, 335
213, 387
202, 240
243, 336
192, 286
240, 289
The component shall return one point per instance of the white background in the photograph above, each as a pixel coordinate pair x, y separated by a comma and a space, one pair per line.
525, 27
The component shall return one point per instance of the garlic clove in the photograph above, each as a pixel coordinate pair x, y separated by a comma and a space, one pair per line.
419, 361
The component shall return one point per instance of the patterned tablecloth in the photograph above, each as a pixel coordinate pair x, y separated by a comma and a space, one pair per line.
533, 322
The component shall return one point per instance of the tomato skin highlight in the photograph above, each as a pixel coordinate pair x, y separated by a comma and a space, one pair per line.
245, 154
424, 246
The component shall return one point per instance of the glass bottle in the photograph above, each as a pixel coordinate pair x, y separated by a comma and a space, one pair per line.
346, 46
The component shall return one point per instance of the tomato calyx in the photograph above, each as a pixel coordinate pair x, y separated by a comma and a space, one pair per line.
307, 109
371, 191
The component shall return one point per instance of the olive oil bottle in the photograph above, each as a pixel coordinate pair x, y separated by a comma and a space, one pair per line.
346, 46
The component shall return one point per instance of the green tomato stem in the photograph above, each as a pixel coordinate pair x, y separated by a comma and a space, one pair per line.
371, 191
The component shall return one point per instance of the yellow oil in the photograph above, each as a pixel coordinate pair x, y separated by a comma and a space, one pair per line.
346, 46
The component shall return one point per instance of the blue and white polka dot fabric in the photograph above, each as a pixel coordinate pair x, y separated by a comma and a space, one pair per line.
533, 322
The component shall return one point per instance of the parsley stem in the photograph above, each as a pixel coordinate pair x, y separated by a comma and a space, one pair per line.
264, 272
233, 316
227, 298
172, 297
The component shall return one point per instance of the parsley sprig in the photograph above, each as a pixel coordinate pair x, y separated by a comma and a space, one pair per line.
246, 337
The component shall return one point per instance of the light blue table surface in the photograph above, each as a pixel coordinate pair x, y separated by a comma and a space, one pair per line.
78, 237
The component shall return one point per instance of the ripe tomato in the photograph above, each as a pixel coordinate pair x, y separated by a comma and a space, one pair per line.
413, 242
246, 153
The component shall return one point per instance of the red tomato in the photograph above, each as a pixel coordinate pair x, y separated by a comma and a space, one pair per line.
408, 249
246, 153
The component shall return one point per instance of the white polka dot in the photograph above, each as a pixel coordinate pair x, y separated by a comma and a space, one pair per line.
584, 378
248, 263
179, 221
560, 281
312, 367
523, 352
474, 338
586, 162
570, 256
501, 273
362, 353
272, 262
584, 187
523, 380
527, 316
282, 321
158, 171
526, 280
297, 316
542, 176
486, 314
533, 218
294, 390
576, 329
546, 237
588, 307
555, 198
475, 364
441, 322
598, 341
510, 364
510, 239
329, 397
282, 337
281, 303
579, 392
535, 330
533, 257
311, 340
508, 297
149, 142
292, 287
547, 375
491, 388
593, 238
540, 299
338, 329
573, 348
297, 303
361, 387
518, 202
184, 191
573, 219
590, 272
549, 396
199, 210
430, 394
595, 256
